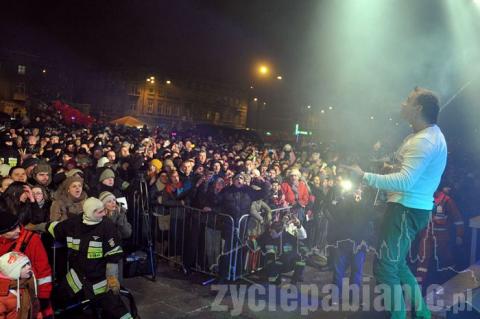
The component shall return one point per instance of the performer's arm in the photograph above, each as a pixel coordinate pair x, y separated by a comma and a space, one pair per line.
413, 165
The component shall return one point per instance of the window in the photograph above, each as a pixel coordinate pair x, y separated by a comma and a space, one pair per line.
134, 90
22, 69
150, 106
20, 88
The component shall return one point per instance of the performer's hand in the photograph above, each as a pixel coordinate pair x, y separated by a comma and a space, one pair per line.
355, 170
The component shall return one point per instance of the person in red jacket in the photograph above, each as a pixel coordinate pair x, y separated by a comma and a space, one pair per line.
434, 250
13, 237
296, 193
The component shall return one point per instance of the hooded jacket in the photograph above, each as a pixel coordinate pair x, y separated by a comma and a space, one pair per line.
65, 206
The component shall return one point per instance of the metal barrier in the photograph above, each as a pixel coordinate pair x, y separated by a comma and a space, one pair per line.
208, 242
195, 239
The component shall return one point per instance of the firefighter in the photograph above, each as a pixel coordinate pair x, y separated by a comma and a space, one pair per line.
435, 239
281, 248
94, 254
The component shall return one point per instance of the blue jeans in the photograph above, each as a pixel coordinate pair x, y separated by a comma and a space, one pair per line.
343, 258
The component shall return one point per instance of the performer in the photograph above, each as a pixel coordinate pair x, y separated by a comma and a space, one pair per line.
422, 158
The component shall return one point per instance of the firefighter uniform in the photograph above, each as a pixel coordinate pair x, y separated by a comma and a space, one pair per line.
434, 242
90, 248
282, 254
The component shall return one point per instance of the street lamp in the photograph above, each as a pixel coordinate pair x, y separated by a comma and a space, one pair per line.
263, 70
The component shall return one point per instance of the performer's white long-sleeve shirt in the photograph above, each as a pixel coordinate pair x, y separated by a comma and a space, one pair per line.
422, 157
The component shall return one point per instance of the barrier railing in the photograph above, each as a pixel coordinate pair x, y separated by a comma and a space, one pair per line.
209, 242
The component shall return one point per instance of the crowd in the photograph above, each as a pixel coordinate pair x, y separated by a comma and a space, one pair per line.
64, 184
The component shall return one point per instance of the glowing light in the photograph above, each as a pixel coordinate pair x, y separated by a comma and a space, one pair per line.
346, 185
251, 87
322, 111
263, 70
44, 71
330, 108
279, 77
255, 99
372, 117
309, 106
390, 119
168, 82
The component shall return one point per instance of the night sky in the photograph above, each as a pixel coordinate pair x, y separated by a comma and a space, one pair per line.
214, 39
363, 56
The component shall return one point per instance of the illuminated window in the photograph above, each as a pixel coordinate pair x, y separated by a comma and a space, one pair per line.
22, 69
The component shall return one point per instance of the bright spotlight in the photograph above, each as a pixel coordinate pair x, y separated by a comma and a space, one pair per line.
346, 185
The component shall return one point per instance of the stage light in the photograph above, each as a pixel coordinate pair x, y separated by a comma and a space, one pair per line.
346, 185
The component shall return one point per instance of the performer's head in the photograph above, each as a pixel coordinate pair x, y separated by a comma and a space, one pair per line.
422, 105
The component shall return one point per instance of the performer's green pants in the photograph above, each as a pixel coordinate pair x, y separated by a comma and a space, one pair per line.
398, 230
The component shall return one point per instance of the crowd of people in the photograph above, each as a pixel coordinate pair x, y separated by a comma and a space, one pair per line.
65, 184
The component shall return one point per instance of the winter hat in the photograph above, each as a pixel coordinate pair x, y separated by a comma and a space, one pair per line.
72, 179
90, 206
295, 171
4, 170
102, 161
11, 264
8, 222
30, 162
106, 196
157, 164
74, 171
108, 173
42, 167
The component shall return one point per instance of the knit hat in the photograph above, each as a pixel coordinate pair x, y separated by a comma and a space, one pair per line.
74, 171
157, 164
294, 171
11, 264
4, 170
106, 196
8, 221
108, 173
90, 206
102, 161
